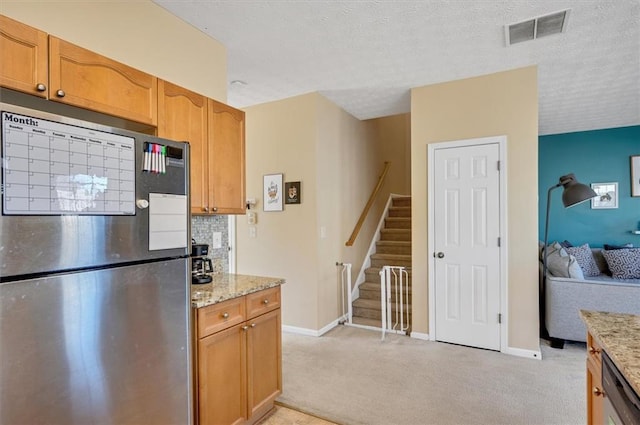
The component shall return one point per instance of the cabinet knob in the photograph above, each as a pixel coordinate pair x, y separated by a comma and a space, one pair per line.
205, 209
597, 392
225, 315
215, 209
593, 350
41, 87
245, 327
60, 93
265, 302
253, 325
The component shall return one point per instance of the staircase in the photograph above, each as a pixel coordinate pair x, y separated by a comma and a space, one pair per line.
393, 249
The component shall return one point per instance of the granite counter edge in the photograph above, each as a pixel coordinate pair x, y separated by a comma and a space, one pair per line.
215, 299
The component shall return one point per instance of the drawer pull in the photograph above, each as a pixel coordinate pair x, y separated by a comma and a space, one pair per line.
597, 392
225, 315
593, 350
265, 302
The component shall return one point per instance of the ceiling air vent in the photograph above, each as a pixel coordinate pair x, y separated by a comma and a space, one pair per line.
554, 23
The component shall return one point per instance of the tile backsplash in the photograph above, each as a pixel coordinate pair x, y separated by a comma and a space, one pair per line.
202, 230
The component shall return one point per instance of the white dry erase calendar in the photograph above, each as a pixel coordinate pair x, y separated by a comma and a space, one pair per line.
51, 168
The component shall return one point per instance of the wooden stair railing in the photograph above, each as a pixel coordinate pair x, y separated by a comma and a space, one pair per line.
367, 207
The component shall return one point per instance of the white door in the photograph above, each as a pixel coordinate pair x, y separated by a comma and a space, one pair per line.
467, 252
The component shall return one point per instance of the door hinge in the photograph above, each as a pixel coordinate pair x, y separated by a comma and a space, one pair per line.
499, 317
498, 165
499, 241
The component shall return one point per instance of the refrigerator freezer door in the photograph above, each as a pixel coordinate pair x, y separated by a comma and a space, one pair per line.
33, 242
101, 347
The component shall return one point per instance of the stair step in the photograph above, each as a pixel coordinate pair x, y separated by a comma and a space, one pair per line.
397, 223
376, 323
400, 212
395, 234
370, 309
375, 295
372, 274
393, 247
380, 260
401, 202
375, 286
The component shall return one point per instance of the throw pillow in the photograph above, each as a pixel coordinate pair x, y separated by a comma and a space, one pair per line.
623, 263
562, 264
612, 247
585, 259
566, 244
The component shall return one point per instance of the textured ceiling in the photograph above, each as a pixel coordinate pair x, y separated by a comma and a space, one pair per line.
365, 56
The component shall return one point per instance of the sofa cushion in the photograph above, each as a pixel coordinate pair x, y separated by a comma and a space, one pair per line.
561, 263
585, 259
623, 263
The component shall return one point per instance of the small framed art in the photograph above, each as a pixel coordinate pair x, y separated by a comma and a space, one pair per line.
292, 193
607, 195
272, 191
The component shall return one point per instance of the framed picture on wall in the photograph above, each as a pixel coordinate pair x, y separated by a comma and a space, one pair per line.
607, 195
635, 175
292, 193
272, 192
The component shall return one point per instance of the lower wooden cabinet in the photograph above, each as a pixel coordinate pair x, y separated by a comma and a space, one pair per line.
595, 394
239, 366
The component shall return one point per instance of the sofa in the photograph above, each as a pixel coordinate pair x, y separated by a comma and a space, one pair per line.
584, 280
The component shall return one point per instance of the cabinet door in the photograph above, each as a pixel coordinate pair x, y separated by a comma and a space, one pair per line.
182, 116
88, 80
226, 159
23, 57
264, 363
222, 377
594, 393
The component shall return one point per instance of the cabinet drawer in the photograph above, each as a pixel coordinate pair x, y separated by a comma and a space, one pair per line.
261, 302
594, 351
220, 316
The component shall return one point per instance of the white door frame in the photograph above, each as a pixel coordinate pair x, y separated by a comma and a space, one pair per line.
501, 141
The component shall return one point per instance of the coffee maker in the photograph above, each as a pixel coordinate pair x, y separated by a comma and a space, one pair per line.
201, 266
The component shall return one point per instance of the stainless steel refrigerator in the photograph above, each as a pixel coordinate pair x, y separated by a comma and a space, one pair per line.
94, 274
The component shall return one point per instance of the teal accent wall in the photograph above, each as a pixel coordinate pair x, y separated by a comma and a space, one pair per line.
597, 156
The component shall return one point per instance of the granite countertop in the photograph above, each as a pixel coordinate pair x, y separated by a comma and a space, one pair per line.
225, 286
619, 335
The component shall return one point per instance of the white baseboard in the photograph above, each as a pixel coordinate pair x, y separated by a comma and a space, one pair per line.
311, 332
520, 352
418, 335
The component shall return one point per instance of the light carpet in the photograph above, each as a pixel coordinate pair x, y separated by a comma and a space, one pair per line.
351, 377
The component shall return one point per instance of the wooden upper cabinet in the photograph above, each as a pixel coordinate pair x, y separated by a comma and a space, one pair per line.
88, 80
226, 159
23, 58
182, 116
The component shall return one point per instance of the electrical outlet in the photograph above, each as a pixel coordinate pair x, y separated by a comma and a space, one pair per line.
252, 231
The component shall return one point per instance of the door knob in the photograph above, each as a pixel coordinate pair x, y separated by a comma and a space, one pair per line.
440, 255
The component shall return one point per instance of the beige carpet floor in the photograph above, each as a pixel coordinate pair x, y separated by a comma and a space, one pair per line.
351, 377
